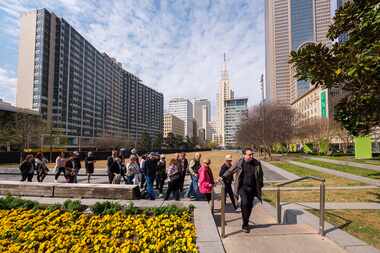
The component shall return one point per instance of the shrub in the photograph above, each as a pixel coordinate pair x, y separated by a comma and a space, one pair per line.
130, 209
10, 202
107, 207
72, 205
54, 207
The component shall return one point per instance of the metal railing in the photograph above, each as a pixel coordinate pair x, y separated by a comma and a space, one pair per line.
322, 191
222, 207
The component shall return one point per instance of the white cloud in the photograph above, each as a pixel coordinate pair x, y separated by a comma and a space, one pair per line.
7, 86
175, 46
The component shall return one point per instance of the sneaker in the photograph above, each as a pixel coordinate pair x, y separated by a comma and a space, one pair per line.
238, 209
245, 229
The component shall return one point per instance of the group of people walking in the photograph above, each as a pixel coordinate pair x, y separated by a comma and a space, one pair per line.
242, 179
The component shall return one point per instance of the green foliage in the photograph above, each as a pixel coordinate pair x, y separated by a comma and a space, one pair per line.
54, 207
130, 209
352, 65
106, 207
10, 202
72, 205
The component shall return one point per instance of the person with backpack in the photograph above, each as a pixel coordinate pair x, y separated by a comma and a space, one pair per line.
228, 180
173, 180
27, 168
248, 184
89, 164
40, 164
70, 169
195, 164
59, 166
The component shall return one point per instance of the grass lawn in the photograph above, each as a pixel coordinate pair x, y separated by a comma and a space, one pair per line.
363, 224
331, 180
343, 168
362, 195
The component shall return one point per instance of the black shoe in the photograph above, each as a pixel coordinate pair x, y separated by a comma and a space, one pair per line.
245, 228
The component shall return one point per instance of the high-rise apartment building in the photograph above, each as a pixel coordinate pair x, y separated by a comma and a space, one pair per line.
202, 115
236, 111
77, 88
224, 93
290, 24
183, 109
174, 125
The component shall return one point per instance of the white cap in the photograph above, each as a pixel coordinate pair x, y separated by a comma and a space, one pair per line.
228, 158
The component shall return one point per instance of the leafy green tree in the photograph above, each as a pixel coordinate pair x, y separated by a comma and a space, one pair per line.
352, 65
146, 141
158, 142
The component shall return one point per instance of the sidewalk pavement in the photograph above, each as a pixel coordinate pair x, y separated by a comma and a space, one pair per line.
348, 163
337, 173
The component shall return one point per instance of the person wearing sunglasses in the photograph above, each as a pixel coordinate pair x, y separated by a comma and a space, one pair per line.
248, 184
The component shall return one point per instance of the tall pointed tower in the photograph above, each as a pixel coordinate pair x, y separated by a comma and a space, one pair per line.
224, 93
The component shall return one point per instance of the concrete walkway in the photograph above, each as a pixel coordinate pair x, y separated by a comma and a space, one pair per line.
271, 169
337, 173
348, 163
267, 236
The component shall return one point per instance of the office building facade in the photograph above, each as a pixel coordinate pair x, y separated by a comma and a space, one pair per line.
236, 111
202, 115
289, 25
77, 88
183, 109
174, 125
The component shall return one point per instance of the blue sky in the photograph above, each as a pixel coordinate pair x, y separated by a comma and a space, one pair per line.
174, 46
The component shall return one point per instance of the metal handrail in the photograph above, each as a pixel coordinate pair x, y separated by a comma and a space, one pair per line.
222, 207
322, 200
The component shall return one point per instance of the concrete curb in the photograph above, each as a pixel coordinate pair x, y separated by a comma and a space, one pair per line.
293, 214
279, 171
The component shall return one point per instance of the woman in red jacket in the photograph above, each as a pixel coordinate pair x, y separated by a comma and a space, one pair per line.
206, 179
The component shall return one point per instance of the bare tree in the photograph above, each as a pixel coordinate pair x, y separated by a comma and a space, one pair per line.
267, 125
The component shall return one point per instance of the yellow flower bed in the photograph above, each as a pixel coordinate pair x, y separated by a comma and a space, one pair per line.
24, 230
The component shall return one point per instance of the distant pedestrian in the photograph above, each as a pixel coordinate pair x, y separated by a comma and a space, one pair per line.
59, 166
77, 165
27, 168
112, 166
89, 164
161, 174
117, 171
173, 180
206, 179
70, 169
228, 180
133, 171
150, 170
195, 164
40, 164
249, 183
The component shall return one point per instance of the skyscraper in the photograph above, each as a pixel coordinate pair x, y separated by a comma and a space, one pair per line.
183, 109
224, 93
236, 111
290, 24
202, 115
78, 89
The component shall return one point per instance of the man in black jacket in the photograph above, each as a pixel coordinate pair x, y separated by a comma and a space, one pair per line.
228, 180
250, 181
